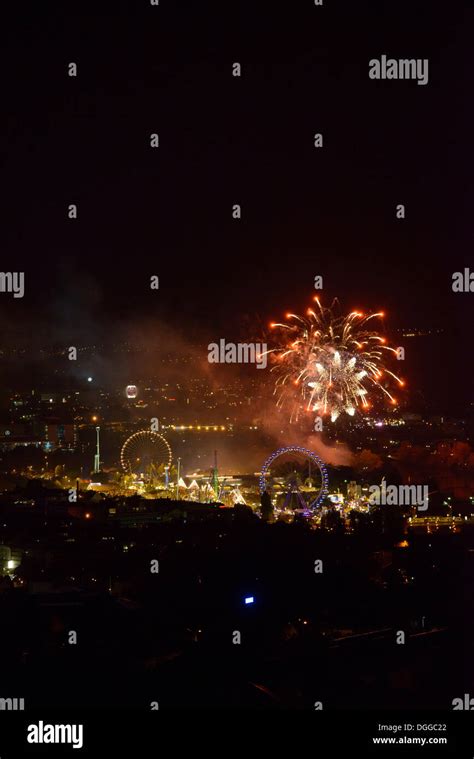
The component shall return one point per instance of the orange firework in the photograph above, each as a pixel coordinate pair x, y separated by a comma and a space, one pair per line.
330, 364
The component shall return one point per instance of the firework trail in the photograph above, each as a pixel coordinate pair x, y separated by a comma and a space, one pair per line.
330, 364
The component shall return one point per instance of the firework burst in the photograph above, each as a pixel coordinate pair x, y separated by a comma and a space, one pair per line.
330, 364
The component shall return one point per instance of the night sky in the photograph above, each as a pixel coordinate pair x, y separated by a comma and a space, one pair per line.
247, 140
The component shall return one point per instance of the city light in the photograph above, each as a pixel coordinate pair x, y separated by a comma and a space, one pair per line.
131, 391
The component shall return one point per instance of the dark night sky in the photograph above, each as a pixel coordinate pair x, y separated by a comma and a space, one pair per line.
225, 140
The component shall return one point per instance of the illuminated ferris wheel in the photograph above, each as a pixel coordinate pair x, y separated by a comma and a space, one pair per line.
145, 454
295, 477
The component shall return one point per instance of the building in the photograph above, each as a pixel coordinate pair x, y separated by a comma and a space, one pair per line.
10, 559
58, 435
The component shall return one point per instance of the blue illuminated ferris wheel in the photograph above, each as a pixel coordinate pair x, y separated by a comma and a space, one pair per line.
295, 477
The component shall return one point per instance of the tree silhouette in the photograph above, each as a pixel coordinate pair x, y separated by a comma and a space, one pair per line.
266, 506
